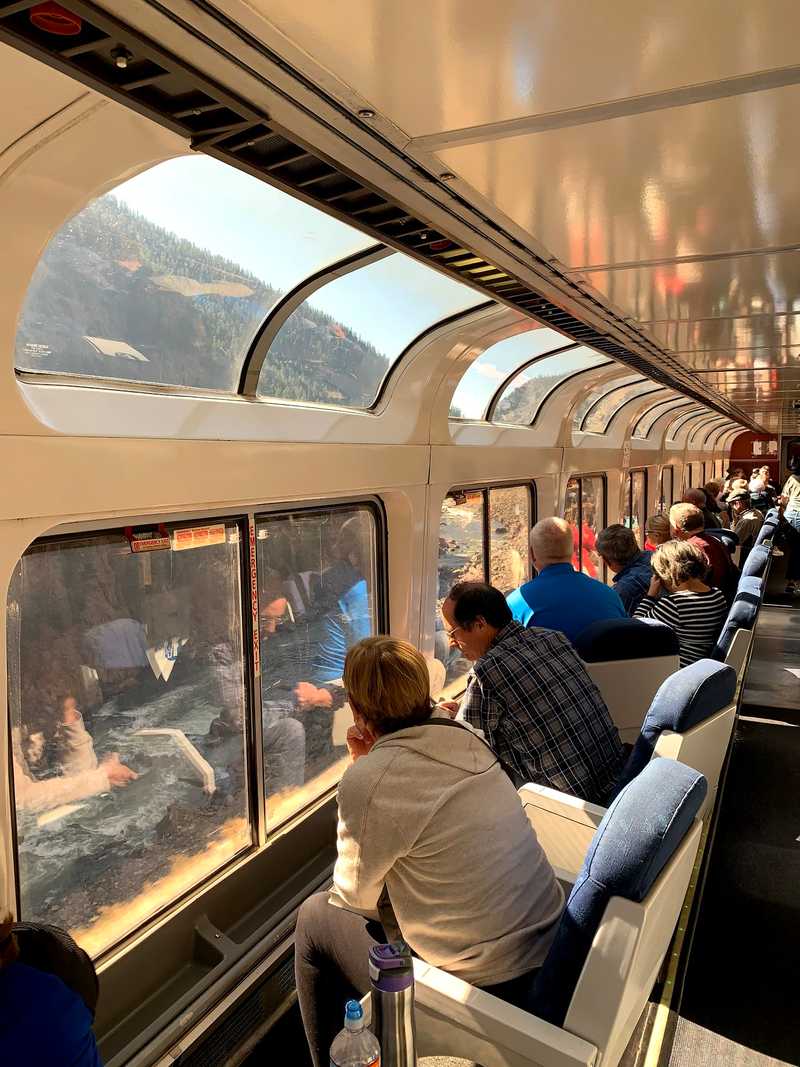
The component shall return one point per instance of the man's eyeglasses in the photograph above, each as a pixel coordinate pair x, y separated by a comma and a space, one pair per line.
452, 633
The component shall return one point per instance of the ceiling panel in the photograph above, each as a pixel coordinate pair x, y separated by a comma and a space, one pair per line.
686, 181
693, 290
433, 65
46, 92
744, 332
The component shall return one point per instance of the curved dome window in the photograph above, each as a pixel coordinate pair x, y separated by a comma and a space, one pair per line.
340, 344
497, 363
523, 398
598, 418
680, 422
651, 415
166, 279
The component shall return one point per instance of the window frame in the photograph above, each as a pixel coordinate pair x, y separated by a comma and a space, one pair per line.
633, 471
680, 420
579, 478
263, 834
612, 388
456, 686
666, 504
679, 402
491, 407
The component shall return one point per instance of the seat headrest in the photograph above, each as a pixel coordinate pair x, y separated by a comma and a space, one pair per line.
727, 536
620, 639
686, 698
766, 533
773, 516
756, 562
750, 589
742, 616
637, 838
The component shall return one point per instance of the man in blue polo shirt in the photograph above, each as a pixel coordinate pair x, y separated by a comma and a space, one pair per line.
561, 598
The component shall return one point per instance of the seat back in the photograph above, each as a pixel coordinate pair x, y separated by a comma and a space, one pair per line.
727, 537
734, 640
750, 589
600, 968
628, 659
693, 709
756, 562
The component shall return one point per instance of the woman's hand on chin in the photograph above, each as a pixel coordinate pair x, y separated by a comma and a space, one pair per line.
358, 743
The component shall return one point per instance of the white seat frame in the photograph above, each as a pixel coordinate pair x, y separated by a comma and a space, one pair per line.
628, 686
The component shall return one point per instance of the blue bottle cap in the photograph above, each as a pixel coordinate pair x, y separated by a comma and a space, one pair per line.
353, 1010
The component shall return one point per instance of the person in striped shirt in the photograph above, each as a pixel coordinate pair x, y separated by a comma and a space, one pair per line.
679, 597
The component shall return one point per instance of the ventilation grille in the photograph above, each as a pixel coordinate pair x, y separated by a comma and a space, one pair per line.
215, 122
239, 1025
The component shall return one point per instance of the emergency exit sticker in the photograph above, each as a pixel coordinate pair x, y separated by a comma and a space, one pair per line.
198, 537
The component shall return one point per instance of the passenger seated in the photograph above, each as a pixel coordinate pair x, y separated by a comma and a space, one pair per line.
617, 545
698, 498
657, 532
686, 523
82, 775
679, 596
532, 697
561, 598
746, 521
427, 812
48, 996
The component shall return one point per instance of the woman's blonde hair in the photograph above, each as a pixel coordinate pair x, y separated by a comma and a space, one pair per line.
677, 562
387, 683
658, 526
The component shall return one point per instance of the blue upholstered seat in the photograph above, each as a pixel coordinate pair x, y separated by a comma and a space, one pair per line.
766, 533
742, 616
756, 562
613, 639
638, 836
773, 516
685, 699
750, 589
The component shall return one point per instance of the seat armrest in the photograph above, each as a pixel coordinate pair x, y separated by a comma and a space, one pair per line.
457, 1019
569, 807
564, 826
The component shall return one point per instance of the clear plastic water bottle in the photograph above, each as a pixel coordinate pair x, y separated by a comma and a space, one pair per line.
355, 1046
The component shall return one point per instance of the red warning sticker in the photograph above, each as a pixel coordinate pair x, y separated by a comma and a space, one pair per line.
198, 537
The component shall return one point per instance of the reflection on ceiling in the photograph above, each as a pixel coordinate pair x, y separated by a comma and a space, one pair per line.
652, 152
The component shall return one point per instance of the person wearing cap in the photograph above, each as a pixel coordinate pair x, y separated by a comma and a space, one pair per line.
746, 521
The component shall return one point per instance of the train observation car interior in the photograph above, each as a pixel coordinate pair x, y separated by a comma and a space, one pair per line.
311, 311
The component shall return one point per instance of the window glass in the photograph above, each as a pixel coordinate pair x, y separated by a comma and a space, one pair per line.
509, 529
519, 405
461, 559
166, 279
696, 475
648, 418
637, 504
677, 424
666, 494
589, 401
317, 574
593, 499
584, 510
125, 662
600, 416
483, 378
338, 346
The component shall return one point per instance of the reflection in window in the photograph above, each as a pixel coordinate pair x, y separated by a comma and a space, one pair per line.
599, 416
507, 514
650, 417
167, 279
122, 663
509, 531
338, 346
637, 504
461, 559
584, 510
666, 497
521, 400
317, 597
483, 378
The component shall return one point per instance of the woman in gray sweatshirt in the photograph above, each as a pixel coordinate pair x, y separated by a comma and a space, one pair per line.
430, 822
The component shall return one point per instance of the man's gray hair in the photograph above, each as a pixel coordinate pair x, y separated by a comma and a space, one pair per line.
618, 544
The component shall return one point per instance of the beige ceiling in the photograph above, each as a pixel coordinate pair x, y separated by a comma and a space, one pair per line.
651, 149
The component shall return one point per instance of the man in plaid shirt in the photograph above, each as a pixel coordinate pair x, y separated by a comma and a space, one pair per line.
531, 696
